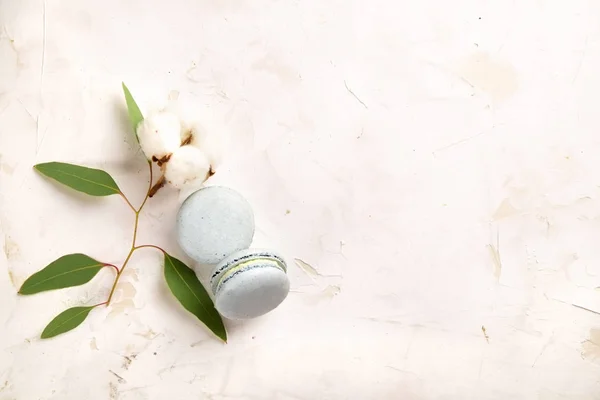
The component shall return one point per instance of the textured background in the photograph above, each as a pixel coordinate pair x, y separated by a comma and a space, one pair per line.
435, 163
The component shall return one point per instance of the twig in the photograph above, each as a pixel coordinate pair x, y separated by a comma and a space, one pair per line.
485, 335
159, 184
133, 240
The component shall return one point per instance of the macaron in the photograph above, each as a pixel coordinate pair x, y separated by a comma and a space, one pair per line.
249, 283
213, 223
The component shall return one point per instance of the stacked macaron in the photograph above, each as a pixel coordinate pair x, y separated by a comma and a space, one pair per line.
249, 283
215, 225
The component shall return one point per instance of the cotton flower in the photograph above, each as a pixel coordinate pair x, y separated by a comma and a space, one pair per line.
159, 134
200, 128
187, 165
210, 142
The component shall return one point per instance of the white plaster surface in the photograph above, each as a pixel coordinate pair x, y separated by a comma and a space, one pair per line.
434, 164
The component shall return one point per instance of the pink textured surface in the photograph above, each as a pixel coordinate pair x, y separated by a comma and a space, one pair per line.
433, 164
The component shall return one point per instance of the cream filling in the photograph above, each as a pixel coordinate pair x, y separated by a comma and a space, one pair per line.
263, 261
259, 256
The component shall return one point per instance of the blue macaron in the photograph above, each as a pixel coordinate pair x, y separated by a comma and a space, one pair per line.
249, 283
213, 223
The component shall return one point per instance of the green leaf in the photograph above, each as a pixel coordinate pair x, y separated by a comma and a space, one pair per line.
94, 182
66, 321
135, 115
67, 271
191, 294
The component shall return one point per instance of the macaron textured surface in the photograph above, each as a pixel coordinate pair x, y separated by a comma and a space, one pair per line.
249, 283
213, 223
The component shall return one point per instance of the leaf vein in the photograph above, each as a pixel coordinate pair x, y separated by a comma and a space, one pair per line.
70, 319
65, 273
192, 291
87, 180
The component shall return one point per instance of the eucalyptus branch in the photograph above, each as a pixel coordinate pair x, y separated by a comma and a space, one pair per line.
77, 269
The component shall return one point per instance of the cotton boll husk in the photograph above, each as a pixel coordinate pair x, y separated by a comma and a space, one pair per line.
159, 134
187, 165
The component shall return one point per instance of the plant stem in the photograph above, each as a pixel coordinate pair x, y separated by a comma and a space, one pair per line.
112, 265
159, 183
135, 230
128, 202
149, 188
114, 286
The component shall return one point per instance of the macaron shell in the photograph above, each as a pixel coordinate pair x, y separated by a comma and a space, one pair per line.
252, 292
214, 222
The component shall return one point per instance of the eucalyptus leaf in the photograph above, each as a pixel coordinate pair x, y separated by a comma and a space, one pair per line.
94, 182
66, 321
186, 287
135, 115
67, 271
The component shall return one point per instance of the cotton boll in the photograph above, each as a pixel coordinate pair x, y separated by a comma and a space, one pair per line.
209, 141
159, 134
188, 112
187, 165
201, 128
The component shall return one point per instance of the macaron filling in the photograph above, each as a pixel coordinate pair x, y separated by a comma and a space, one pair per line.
241, 261
262, 263
250, 283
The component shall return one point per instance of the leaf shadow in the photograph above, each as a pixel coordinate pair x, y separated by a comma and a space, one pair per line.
203, 272
235, 326
123, 123
123, 165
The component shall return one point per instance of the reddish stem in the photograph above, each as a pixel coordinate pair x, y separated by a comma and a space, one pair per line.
114, 266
